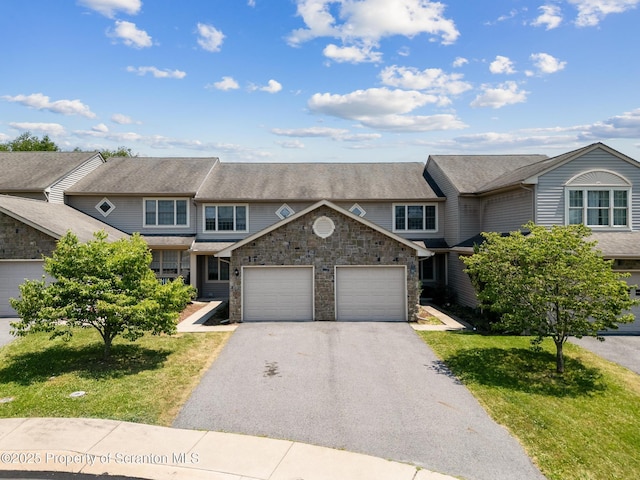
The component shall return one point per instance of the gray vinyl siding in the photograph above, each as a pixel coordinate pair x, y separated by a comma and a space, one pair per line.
263, 215
550, 201
460, 282
128, 215
469, 223
56, 194
450, 220
507, 212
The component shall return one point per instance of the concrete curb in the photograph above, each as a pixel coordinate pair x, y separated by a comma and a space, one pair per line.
94, 446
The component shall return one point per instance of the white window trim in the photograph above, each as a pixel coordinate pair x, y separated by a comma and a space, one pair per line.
222, 232
393, 217
175, 212
284, 205
588, 188
219, 260
364, 212
108, 202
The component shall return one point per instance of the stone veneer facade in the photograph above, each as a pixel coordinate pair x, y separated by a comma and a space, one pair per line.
352, 243
21, 241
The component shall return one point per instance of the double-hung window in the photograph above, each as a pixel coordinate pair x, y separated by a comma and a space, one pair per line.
599, 207
225, 218
414, 217
217, 269
166, 212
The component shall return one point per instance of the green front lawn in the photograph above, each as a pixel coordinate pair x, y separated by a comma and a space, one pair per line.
146, 381
583, 425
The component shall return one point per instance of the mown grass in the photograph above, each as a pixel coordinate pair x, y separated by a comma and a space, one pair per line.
146, 381
584, 424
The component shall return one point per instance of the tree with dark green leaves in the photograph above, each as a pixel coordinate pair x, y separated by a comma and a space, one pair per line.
118, 152
29, 143
549, 282
103, 285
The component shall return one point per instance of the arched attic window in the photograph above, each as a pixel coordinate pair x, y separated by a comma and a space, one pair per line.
599, 199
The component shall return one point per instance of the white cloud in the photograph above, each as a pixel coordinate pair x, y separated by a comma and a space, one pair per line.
592, 12
507, 93
459, 62
47, 128
365, 22
227, 83
272, 87
352, 54
210, 38
626, 125
130, 35
546, 63
121, 119
42, 102
157, 73
368, 103
295, 144
502, 65
412, 123
101, 127
551, 17
251, 3
432, 80
310, 132
108, 8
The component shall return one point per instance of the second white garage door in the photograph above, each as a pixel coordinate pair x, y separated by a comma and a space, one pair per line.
371, 293
277, 293
12, 274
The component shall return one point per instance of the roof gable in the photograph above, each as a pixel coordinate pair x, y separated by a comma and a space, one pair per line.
146, 176
55, 219
423, 252
37, 171
316, 181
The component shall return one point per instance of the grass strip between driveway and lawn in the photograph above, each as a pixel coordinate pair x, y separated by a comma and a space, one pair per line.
584, 424
146, 381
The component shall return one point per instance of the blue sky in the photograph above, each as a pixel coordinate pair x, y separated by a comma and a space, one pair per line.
322, 80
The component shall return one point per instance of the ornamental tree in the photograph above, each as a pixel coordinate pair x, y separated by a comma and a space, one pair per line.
551, 282
107, 286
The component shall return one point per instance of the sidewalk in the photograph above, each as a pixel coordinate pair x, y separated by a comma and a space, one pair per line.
195, 323
94, 446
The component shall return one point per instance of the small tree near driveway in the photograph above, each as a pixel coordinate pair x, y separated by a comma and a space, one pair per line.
107, 286
549, 283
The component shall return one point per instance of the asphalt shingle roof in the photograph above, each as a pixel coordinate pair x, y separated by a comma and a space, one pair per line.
146, 176
316, 181
471, 173
56, 218
35, 171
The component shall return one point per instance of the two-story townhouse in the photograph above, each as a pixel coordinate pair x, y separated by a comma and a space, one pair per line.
25, 233
593, 185
340, 241
150, 196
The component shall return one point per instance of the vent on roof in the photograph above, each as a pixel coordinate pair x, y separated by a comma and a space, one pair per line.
323, 227
105, 207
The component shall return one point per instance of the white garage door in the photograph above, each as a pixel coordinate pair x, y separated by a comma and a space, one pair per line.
12, 274
277, 293
371, 294
634, 327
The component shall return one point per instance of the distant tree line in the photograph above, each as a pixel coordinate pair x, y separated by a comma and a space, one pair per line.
27, 142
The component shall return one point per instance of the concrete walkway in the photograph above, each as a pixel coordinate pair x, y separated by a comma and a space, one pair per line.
93, 446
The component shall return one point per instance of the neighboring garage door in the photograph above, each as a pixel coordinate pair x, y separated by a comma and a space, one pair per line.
277, 293
371, 294
12, 274
632, 328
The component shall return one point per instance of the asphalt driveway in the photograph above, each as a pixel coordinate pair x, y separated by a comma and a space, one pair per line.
621, 349
372, 388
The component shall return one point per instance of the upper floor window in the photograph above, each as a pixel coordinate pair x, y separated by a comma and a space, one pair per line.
284, 211
598, 199
166, 212
225, 218
414, 217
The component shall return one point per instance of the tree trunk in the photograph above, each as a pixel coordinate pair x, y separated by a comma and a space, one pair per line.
107, 348
559, 357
